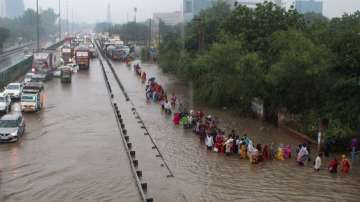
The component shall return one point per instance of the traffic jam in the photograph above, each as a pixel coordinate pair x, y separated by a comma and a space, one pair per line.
28, 93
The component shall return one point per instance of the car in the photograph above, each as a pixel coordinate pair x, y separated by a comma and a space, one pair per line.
73, 67
12, 127
28, 77
5, 103
14, 90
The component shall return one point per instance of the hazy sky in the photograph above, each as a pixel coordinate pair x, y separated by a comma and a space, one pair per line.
121, 10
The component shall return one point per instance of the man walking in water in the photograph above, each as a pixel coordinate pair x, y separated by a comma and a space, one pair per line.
318, 162
209, 142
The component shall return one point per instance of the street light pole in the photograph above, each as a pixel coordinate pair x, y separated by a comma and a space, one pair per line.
59, 20
37, 26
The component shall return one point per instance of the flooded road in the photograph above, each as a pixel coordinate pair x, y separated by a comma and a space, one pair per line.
71, 151
207, 176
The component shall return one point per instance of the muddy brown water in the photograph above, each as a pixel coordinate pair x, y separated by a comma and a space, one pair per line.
206, 176
72, 151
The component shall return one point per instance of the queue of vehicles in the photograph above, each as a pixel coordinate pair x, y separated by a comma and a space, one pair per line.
115, 48
75, 55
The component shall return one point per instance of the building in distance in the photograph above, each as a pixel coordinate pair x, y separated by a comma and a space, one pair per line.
170, 18
2, 9
309, 6
192, 8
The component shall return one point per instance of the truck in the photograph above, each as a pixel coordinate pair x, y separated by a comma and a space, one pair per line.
82, 57
42, 65
32, 97
66, 75
67, 54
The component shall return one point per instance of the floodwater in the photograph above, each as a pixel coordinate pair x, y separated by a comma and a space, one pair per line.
207, 176
72, 151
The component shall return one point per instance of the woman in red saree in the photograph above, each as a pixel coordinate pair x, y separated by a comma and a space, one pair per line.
266, 155
345, 165
333, 164
219, 141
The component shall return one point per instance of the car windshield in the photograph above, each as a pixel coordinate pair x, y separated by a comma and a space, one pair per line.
8, 123
27, 98
13, 87
2, 99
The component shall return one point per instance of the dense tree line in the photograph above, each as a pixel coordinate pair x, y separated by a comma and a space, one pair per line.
132, 31
304, 65
24, 27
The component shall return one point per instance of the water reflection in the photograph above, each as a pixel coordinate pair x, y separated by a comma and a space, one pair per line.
14, 160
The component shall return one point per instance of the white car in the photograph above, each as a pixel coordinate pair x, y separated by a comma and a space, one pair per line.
73, 67
28, 77
5, 103
14, 90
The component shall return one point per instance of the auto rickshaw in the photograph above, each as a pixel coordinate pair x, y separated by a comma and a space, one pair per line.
65, 75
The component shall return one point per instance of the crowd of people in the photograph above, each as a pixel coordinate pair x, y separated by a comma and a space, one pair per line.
215, 139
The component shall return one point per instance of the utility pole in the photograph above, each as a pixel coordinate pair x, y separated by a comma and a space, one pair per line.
159, 35
150, 22
59, 20
201, 34
135, 11
72, 24
67, 17
37, 27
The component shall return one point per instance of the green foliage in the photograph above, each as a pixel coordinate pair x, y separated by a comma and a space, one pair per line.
259, 24
144, 55
211, 21
4, 35
24, 27
298, 65
132, 31
102, 27
306, 65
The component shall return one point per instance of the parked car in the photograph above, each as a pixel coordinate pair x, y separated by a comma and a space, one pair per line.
14, 90
12, 127
5, 103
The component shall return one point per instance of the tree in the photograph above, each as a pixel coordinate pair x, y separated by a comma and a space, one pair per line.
210, 21
132, 31
4, 35
25, 26
300, 66
228, 75
257, 26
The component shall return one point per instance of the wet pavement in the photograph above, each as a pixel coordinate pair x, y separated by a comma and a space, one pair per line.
12, 59
72, 151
